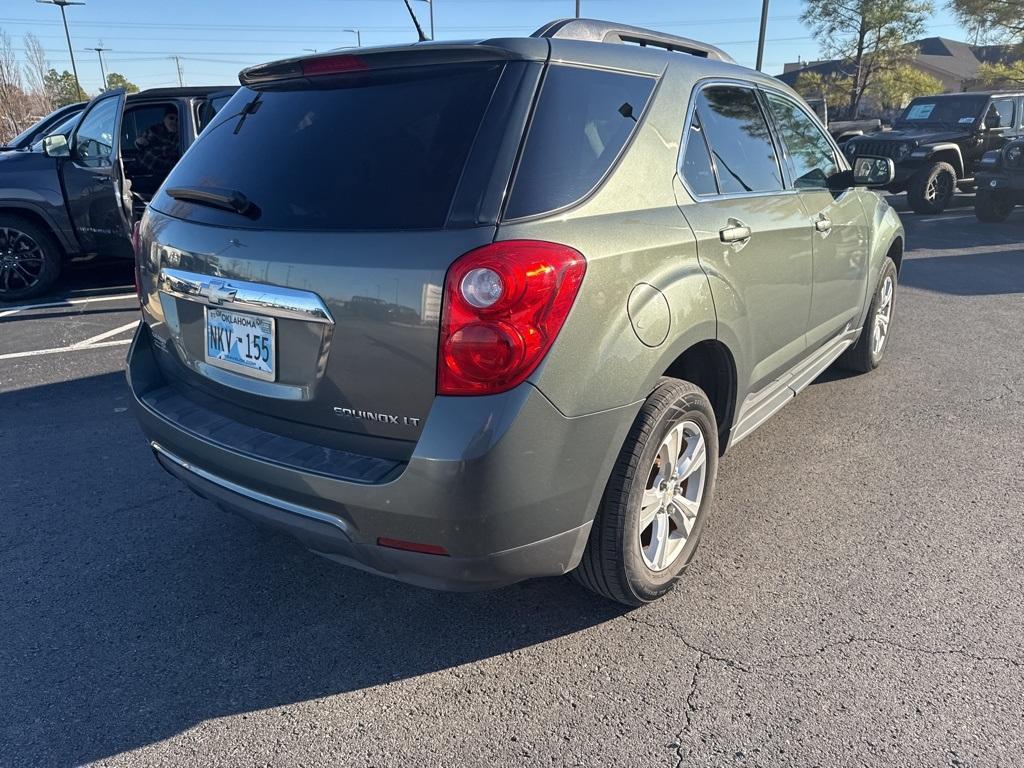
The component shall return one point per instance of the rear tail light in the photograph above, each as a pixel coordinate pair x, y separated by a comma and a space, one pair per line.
504, 304
136, 236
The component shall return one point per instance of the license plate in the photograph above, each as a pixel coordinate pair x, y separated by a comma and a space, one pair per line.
241, 342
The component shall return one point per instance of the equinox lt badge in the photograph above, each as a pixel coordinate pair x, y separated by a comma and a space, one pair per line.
384, 418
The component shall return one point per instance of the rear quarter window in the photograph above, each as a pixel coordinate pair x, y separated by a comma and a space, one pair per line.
583, 120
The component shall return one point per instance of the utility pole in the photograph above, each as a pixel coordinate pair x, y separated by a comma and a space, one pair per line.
177, 63
103, 70
62, 4
359, 36
760, 39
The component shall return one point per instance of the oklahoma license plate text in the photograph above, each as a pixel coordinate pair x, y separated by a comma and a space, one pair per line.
240, 342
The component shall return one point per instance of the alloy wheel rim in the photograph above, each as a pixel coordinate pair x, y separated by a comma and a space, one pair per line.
882, 317
21, 260
673, 494
938, 188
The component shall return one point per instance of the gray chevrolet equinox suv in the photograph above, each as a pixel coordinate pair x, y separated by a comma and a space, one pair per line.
463, 314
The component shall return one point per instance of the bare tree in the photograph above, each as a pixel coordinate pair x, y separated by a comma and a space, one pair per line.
36, 67
13, 102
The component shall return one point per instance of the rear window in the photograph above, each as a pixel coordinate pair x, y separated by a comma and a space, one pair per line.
378, 150
583, 119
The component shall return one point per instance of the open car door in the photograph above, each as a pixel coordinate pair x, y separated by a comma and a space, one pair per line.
92, 178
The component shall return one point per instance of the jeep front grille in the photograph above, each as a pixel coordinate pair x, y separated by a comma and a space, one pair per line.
878, 148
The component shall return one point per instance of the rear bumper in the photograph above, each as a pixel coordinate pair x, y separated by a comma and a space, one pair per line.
505, 484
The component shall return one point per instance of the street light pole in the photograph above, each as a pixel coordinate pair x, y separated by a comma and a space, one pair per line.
431, 4
103, 70
577, 9
760, 39
62, 4
359, 36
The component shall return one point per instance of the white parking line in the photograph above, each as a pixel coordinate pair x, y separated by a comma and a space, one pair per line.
93, 342
72, 348
106, 335
66, 303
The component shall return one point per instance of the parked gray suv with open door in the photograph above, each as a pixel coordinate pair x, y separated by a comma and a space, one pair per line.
467, 313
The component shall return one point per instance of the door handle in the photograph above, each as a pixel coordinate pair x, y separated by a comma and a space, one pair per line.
823, 223
736, 232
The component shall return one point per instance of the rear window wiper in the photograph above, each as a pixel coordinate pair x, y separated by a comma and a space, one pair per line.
216, 197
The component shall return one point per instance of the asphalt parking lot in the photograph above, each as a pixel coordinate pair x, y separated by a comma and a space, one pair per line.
857, 599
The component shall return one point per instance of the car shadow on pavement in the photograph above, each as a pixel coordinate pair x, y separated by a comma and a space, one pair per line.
134, 610
971, 274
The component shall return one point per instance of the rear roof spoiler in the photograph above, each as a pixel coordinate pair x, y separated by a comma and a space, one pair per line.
595, 31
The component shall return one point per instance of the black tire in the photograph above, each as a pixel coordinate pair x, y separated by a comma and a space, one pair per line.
862, 356
613, 564
992, 207
30, 259
932, 188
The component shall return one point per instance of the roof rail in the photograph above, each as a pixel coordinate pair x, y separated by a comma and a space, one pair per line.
610, 32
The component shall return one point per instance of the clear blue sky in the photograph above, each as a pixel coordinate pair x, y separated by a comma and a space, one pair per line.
216, 38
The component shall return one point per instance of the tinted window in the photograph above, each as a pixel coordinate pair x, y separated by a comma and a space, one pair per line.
94, 140
1003, 108
697, 170
377, 150
809, 154
583, 119
207, 109
739, 139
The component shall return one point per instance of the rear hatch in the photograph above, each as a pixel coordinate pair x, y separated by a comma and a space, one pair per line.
292, 263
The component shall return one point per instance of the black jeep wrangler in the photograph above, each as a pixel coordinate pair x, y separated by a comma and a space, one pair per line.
1000, 181
938, 141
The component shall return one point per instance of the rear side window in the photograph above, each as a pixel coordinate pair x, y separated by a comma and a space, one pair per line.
740, 143
368, 150
697, 168
207, 109
583, 119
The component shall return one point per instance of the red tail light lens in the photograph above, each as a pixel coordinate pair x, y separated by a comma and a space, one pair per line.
504, 304
333, 65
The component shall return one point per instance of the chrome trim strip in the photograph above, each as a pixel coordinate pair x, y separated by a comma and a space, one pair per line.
262, 498
258, 387
760, 406
273, 300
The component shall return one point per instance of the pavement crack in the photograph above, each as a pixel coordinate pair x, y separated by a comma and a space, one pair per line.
691, 709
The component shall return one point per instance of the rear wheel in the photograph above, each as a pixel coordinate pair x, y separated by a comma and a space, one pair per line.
654, 508
992, 207
867, 353
30, 259
932, 188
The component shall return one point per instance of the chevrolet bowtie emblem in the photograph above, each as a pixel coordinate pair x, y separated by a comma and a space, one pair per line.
218, 292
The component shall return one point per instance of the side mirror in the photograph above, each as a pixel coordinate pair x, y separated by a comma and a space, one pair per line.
873, 171
56, 146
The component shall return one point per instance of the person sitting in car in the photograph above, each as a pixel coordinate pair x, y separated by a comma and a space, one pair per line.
159, 145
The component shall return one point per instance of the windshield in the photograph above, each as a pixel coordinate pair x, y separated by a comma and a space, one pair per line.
956, 110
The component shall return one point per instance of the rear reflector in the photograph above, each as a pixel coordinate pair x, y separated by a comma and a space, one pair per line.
412, 546
333, 65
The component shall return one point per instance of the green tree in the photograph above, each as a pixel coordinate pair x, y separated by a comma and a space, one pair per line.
63, 89
834, 88
117, 80
894, 88
870, 36
1000, 19
1001, 75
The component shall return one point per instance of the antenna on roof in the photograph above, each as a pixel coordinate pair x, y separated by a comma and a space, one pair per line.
419, 29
